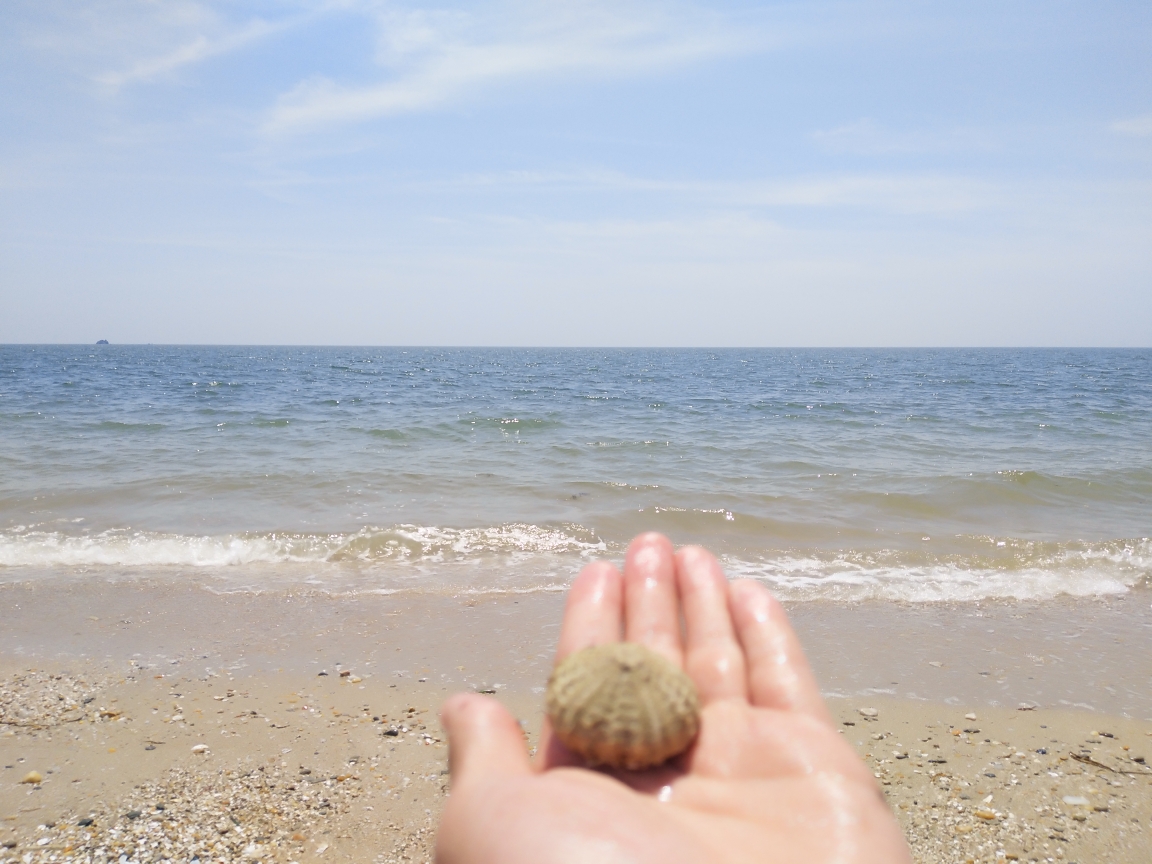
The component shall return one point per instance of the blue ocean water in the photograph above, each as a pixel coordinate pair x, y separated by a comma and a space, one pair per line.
843, 474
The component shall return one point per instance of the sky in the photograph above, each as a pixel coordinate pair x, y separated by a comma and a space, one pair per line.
576, 173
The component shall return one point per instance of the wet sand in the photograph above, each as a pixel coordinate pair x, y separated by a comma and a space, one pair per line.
299, 766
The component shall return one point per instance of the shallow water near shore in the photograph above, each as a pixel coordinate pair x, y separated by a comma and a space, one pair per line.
943, 524
931, 475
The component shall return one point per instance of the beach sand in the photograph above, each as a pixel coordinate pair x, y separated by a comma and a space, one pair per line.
989, 784
272, 767
153, 722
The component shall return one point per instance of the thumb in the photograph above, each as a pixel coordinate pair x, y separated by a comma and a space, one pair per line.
483, 738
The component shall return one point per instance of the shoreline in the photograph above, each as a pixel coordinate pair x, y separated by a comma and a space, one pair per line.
1068, 653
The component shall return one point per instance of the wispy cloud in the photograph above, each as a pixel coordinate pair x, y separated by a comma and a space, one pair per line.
908, 193
117, 43
868, 138
1140, 127
200, 48
437, 57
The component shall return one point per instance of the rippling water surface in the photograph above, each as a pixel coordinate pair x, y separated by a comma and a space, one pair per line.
919, 475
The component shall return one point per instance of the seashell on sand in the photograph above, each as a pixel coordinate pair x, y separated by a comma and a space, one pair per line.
622, 705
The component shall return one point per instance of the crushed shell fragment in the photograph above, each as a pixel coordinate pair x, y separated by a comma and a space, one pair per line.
622, 705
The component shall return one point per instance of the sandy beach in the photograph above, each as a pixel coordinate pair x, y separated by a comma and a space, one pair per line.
989, 784
187, 725
278, 768
336, 767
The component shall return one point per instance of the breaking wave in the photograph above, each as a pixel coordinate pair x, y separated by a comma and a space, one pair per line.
1025, 571
518, 557
425, 544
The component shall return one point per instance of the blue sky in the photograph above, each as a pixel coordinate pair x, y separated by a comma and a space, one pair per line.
576, 173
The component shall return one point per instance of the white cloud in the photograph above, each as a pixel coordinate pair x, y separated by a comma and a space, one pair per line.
920, 194
1140, 127
441, 56
115, 43
925, 194
869, 138
199, 48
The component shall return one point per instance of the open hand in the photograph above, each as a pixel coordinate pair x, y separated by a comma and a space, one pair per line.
769, 778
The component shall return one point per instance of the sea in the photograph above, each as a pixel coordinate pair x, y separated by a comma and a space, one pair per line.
918, 476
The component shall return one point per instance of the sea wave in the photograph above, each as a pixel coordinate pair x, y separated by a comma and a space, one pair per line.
1027, 571
521, 557
398, 543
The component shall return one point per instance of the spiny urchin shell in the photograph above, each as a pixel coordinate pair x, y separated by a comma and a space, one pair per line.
623, 706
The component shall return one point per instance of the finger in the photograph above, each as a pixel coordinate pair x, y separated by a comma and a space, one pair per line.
593, 613
778, 671
713, 657
651, 601
483, 738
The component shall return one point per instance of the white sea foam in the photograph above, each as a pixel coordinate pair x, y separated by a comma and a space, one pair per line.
518, 557
1085, 570
425, 544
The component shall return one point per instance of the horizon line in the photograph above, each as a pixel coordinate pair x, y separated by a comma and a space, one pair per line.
507, 347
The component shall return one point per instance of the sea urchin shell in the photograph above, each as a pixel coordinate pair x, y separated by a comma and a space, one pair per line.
623, 706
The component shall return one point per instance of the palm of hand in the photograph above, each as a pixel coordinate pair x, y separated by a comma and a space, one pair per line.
768, 778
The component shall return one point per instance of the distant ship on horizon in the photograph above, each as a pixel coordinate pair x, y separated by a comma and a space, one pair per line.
101, 341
